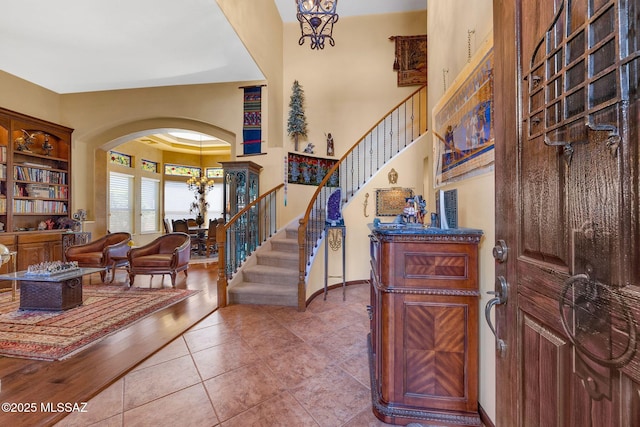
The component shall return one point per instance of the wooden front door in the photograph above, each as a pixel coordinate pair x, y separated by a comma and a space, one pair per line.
567, 208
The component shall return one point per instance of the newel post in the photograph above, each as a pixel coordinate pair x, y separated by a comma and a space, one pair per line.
302, 231
221, 239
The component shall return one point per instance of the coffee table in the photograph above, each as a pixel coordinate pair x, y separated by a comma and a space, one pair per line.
55, 293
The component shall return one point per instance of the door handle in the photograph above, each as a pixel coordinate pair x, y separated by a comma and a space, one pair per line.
501, 292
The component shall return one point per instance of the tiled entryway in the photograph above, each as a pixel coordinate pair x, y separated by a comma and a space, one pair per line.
252, 366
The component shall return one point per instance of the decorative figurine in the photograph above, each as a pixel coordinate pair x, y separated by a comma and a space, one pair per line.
409, 211
330, 151
392, 176
46, 147
23, 142
309, 148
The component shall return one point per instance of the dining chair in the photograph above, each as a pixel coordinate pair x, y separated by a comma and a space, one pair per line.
180, 226
210, 242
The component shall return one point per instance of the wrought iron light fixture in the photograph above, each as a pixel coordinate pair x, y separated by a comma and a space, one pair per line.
200, 184
316, 19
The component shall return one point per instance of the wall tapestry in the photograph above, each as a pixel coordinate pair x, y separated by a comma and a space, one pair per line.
309, 170
411, 60
463, 123
252, 122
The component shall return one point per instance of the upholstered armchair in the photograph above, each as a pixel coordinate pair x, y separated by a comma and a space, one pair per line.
108, 252
168, 254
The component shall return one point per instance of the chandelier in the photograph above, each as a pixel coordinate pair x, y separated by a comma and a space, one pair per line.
200, 184
316, 21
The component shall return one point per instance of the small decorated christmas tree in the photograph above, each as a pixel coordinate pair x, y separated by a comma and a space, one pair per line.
297, 123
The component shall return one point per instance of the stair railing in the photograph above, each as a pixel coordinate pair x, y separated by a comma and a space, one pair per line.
243, 234
399, 128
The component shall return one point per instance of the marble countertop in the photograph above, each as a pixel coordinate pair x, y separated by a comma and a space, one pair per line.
389, 228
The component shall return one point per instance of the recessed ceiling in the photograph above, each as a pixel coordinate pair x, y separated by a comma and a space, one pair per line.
82, 46
172, 141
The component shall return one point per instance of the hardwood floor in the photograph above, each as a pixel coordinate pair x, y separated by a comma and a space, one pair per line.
84, 375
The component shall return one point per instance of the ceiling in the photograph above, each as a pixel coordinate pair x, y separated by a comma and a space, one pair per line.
79, 46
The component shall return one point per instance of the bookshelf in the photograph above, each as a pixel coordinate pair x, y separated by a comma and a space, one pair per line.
35, 185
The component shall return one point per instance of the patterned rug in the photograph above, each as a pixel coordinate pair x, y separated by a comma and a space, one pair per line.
55, 335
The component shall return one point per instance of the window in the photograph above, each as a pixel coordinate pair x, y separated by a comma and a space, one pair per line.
149, 196
177, 200
120, 202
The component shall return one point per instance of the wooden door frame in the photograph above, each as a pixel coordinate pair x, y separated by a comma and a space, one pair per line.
507, 116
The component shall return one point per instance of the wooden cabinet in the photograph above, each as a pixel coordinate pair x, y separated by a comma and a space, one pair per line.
37, 248
35, 171
35, 185
241, 186
424, 326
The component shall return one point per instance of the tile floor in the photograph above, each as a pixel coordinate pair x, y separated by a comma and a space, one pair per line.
252, 366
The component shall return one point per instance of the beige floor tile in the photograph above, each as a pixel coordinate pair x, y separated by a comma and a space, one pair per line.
188, 407
106, 405
279, 411
271, 341
295, 363
159, 380
332, 397
226, 357
210, 336
342, 344
309, 329
358, 367
367, 419
236, 391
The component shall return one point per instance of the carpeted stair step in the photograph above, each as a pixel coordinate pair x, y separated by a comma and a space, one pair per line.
292, 233
279, 259
263, 293
285, 245
270, 275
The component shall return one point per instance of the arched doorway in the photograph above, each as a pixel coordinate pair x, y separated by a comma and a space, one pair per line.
150, 141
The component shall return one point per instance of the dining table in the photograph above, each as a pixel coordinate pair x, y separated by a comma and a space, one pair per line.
199, 236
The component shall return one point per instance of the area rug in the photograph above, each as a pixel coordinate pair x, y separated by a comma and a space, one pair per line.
51, 335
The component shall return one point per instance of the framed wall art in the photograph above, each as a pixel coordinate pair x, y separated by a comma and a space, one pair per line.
391, 201
463, 122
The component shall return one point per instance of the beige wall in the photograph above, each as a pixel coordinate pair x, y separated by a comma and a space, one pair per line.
447, 56
348, 88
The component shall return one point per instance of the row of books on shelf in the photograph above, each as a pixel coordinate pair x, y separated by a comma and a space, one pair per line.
3, 153
24, 173
40, 191
39, 206
3, 171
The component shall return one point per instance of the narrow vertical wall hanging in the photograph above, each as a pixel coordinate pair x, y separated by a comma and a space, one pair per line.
410, 60
252, 120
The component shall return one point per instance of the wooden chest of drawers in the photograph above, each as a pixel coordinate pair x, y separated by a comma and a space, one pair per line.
424, 326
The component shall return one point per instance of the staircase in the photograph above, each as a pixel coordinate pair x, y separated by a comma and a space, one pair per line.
274, 274
273, 278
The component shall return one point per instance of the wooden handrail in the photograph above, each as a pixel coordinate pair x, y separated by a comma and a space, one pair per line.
221, 239
353, 147
304, 221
